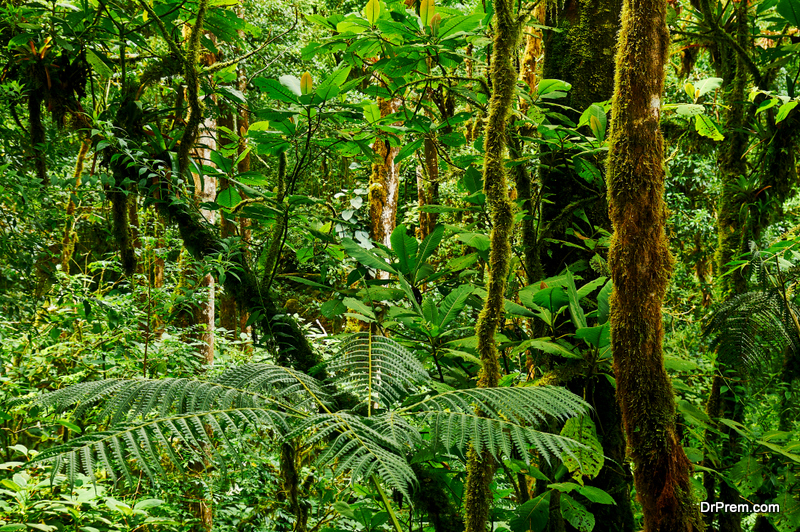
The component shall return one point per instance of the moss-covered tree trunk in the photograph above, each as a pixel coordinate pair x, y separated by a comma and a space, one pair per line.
481, 468
641, 264
582, 54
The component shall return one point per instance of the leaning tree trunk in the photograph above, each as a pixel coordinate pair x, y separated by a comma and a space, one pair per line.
641, 264
481, 469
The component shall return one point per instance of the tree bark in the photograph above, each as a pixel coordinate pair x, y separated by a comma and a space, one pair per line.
641, 264
481, 469
384, 183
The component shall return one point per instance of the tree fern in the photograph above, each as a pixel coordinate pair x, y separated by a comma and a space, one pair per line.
151, 422
377, 370
749, 328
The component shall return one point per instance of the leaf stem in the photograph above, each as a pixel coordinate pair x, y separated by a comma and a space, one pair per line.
386, 504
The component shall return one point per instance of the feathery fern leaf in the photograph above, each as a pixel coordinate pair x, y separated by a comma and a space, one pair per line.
749, 328
377, 370
359, 448
508, 418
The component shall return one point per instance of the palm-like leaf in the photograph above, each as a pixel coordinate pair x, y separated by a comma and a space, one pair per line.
508, 418
153, 421
377, 370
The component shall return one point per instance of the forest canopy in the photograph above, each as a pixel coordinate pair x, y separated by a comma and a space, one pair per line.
399, 265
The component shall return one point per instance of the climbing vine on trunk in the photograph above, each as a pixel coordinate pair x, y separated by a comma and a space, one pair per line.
641, 264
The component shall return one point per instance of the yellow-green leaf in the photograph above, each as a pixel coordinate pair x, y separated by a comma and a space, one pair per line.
372, 11
706, 127
689, 89
306, 83
426, 11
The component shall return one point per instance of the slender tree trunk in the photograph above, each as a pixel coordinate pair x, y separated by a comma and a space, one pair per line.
68, 243
481, 468
641, 264
384, 183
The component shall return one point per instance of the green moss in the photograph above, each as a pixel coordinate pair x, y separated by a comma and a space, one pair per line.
641, 264
481, 469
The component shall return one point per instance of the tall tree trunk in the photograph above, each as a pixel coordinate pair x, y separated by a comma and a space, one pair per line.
384, 183
641, 264
206, 191
481, 468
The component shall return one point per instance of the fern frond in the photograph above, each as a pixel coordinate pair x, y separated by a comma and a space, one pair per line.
508, 417
377, 370
149, 442
248, 386
356, 445
748, 329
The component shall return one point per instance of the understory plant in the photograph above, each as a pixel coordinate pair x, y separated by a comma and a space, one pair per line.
375, 409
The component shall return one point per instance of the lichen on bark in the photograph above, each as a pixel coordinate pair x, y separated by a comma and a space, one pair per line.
641, 265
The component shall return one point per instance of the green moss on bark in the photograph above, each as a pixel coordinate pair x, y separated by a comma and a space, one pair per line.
481, 469
641, 264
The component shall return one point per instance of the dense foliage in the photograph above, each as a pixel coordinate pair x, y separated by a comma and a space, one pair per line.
342, 265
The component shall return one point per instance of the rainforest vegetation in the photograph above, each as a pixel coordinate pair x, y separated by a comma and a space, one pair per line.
399, 265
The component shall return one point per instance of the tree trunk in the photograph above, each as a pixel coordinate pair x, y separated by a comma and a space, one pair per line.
641, 264
205, 187
384, 183
481, 469
582, 54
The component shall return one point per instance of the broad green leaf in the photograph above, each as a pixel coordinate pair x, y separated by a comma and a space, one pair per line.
706, 127
748, 474
404, 247
365, 257
598, 336
679, 364
575, 309
692, 411
71, 426
332, 84
147, 504
767, 104
788, 519
547, 86
98, 64
576, 514
372, 113
596, 495
544, 344
431, 312
331, 309
785, 109
602, 302
275, 90
595, 117
372, 11
706, 85
453, 26
533, 515
553, 299
790, 10
429, 245
453, 304
229, 198
689, 109
589, 459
